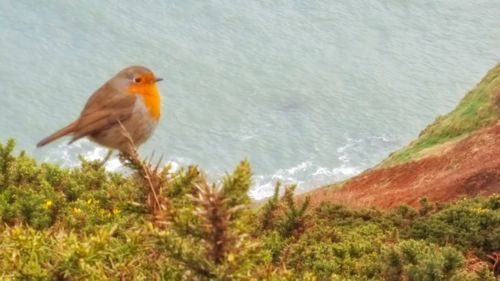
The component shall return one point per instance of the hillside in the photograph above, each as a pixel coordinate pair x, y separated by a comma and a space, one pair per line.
455, 156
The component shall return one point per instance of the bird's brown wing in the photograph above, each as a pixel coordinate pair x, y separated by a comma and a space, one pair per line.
104, 109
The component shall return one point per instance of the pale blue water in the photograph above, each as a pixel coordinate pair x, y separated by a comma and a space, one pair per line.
308, 91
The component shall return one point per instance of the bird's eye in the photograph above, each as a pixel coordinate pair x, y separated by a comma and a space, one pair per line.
137, 80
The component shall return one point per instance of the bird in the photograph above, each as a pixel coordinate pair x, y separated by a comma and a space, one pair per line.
129, 101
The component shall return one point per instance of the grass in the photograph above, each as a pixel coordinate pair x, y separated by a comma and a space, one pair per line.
478, 109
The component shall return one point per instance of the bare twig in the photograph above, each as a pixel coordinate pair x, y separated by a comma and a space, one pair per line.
495, 260
147, 173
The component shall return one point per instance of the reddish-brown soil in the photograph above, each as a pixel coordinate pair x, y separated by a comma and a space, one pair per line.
464, 168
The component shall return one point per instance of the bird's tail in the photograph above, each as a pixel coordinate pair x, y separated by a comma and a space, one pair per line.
61, 133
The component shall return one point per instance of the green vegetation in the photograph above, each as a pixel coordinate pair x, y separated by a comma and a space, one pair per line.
88, 224
478, 109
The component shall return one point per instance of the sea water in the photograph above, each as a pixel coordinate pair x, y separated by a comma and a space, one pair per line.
310, 92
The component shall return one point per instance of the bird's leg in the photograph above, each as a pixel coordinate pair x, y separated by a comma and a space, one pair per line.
107, 157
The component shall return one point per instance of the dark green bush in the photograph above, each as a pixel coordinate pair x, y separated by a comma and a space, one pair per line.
467, 224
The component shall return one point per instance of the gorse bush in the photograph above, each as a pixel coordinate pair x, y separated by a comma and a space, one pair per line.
86, 223
470, 224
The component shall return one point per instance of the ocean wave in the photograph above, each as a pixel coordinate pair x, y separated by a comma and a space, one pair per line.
305, 174
67, 156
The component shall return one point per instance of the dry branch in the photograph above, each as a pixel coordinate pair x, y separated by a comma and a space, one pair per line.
151, 176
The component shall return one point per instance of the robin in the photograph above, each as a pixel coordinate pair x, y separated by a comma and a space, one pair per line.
130, 100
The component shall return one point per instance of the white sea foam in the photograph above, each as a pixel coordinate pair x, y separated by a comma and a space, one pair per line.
67, 155
305, 174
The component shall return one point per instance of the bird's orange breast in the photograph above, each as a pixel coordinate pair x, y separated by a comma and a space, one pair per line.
151, 97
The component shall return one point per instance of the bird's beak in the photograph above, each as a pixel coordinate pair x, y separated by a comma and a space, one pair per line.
159, 79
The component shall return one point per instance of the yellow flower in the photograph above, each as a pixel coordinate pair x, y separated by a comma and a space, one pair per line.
47, 204
77, 210
17, 231
116, 211
480, 210
89, 201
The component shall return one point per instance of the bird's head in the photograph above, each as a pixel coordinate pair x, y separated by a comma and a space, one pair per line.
139, 80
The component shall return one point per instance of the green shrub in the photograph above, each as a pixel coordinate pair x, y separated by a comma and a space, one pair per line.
467, 224
85, 223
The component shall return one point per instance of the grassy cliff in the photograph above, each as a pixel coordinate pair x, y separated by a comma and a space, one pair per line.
478, 109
